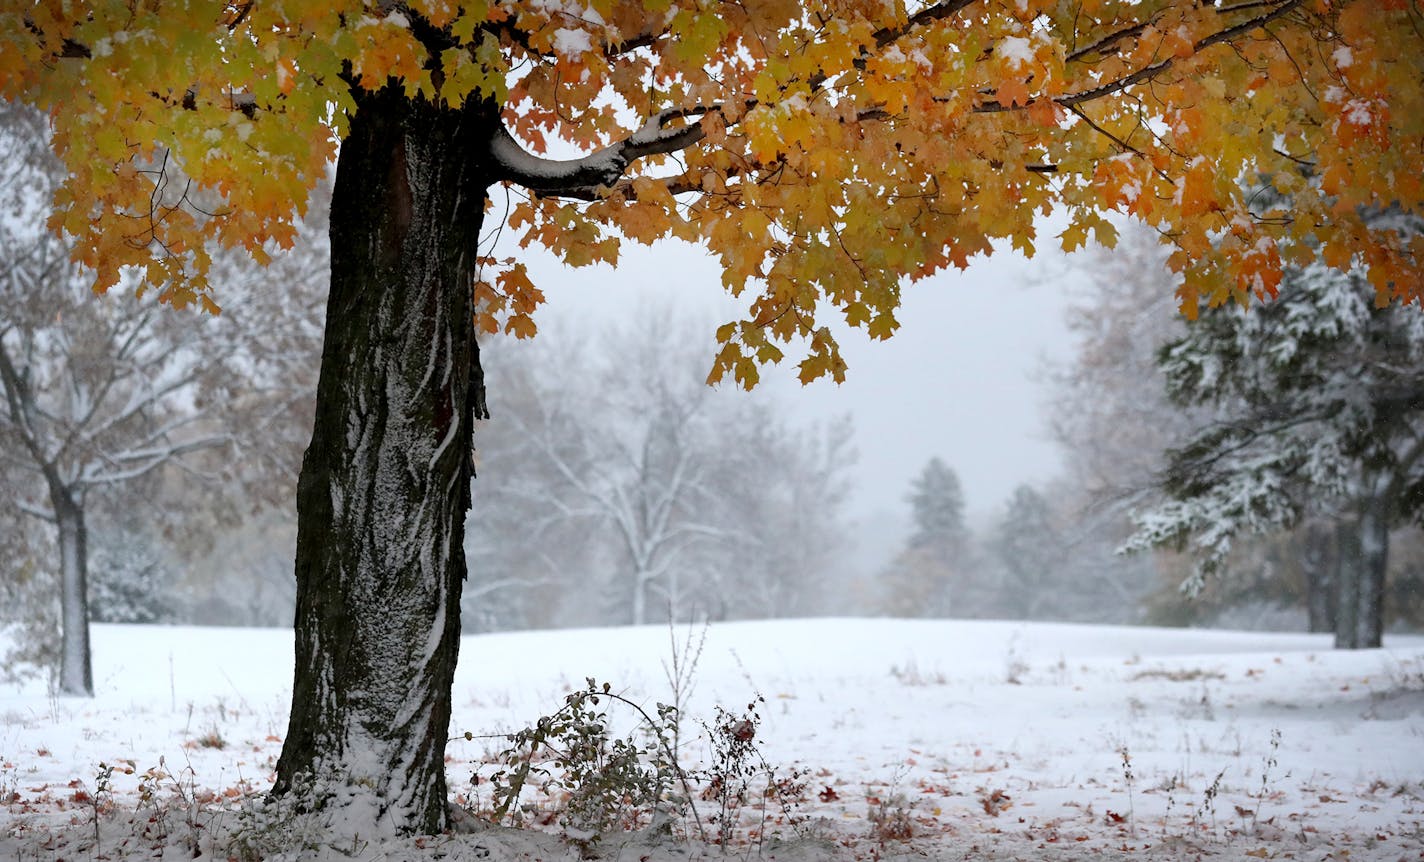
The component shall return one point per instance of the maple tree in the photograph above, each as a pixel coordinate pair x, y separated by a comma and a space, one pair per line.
826, 152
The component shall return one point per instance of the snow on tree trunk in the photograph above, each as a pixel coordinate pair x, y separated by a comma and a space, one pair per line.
385, 482
76, 675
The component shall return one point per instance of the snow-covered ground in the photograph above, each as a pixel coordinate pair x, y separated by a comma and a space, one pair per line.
977, 740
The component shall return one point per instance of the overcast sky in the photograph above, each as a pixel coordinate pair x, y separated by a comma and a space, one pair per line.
957, 380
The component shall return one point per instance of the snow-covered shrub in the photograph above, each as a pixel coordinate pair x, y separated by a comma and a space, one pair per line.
129, 580
29, 615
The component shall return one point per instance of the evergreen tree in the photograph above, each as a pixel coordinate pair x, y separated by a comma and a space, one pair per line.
921, 580
131, 582
937, 505
1319, 411
1030, 550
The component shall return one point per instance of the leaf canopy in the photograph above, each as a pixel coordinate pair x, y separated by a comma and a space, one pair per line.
826, 152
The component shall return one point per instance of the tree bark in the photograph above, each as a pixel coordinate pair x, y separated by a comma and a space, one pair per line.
1363, 555
1317, 561
385, 483
76, 674
1374, 550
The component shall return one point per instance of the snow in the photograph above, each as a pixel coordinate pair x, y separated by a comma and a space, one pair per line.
1359, 112
1016, 50
1005, 737
535, 171
570, 43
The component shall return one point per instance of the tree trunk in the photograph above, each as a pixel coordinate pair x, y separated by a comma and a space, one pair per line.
640, 597
1374, 549
1317, 561
385, 482
76, 675
1363, 556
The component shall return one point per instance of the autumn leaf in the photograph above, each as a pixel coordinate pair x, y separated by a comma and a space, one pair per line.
850, 159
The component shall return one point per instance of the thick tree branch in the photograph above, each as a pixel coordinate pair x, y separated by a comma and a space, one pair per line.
21, 403
583, 176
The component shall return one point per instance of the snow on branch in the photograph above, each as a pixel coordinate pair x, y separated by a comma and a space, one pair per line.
583, 176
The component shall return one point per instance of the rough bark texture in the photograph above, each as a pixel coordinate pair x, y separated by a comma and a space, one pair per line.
385, 482
76, 674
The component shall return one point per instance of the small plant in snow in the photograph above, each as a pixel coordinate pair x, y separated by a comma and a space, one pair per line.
267, 825
890, 812
100, 799
1170, 787
9, 783
605, 782
910, 674
890, 819
1266, 767
738, 767
1127, 778
609, 782
1015, 667
680, 670
1208, 803
211, 738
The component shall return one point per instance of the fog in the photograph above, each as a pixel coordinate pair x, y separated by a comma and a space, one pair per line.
957, 381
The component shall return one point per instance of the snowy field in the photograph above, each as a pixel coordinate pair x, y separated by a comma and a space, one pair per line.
916, 739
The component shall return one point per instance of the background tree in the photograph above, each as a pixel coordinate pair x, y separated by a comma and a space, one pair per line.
111, 391
826, 151
929, 575
1107, 406
665, 498
97, 391
1319, 412
1108, 410
783, 490
1029, 550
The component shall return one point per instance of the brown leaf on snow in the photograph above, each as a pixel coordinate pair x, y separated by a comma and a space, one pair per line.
994, 802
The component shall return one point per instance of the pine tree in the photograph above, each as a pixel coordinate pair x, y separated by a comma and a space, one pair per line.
1319, 412
921, 580
937, 506
1030, 550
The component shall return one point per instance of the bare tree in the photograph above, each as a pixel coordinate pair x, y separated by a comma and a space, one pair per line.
103, 392
642, 469
783, 490
666, 495
1109, 411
